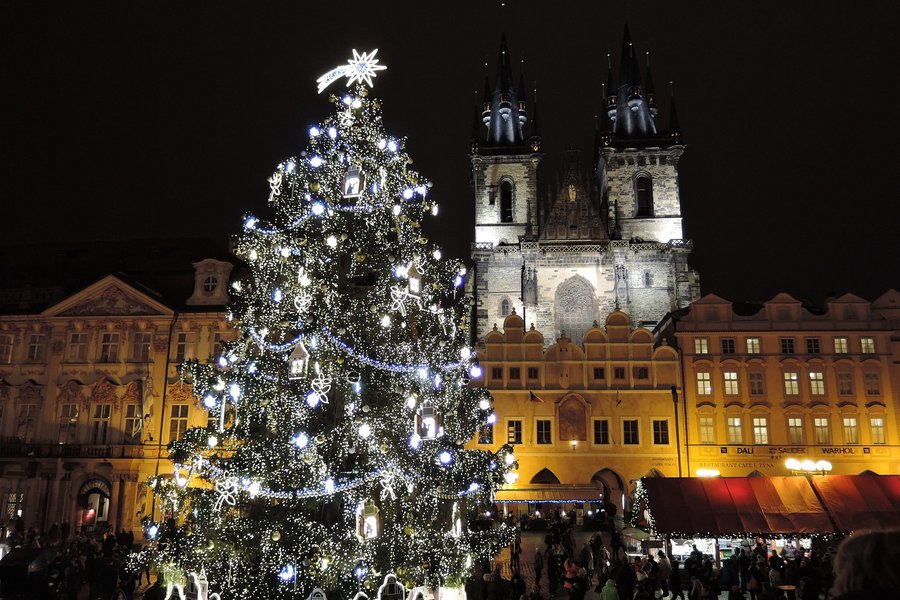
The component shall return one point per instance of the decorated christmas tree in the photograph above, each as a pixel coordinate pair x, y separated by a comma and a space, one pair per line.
333, 460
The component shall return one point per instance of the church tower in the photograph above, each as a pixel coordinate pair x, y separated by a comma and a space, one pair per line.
606, 239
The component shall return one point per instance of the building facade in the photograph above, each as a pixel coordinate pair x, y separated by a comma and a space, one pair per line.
90, 395
611, 239
778, 380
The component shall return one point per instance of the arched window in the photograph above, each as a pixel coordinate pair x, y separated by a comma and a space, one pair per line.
574, 309
648, 279
643, 195
504, 307
506, 202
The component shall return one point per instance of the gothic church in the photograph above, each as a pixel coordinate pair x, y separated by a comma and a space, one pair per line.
611, 240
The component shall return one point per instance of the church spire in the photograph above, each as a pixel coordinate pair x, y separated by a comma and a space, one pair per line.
674, 128
631, 104
505, 112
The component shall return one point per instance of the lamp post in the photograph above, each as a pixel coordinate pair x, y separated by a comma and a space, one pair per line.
807, 467
677, 428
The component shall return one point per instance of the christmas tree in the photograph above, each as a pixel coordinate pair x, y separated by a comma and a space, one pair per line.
333, 460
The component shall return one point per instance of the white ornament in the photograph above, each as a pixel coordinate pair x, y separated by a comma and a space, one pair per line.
362, 68
388, 479
321, 385
227, 489
391, 589
275, 183
299, 360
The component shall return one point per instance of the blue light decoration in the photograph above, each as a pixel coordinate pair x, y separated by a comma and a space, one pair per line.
445, 457
458, 281
251, 222
332, 132
314, 131
287, 573
315, 161
152, 530
209, 401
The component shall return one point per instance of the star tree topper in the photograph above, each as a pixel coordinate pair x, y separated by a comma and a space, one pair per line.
361, 68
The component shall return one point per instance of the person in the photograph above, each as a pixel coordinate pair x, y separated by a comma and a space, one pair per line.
609, 591
571, 573
538, 566
675, 580
518, 586
664, 573
515, 550
552, 572
755, 577
865, 566
586, 559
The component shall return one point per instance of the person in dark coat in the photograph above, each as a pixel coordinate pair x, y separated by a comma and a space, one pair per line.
866, 566
625, 580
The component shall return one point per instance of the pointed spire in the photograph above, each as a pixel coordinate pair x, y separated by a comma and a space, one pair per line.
610, 84
504, 68
505, 112
674, 128
629, 73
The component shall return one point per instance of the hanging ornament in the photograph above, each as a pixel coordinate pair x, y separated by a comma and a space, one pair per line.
299, 361
354, 182
455, 521
388, 480
391, 589
275, 184
321, 385
428, 421
367, 520
227, 489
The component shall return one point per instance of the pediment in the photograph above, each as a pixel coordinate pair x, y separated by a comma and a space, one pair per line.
108, 297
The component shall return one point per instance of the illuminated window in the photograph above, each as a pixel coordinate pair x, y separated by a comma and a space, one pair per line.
78, 347
753, 345
816, 383
727, 345
876, 424
787, 345
6, 345
840, 345
514, 431
178, 421
701, 346
661, 432
704, 384
813, 346
109, 347
851, 430
630, 434
822, 430
14, 503
845, 384
601, 431
140, 347
757, 383
643, 192
795, 430
506, 202
35, 348
791, 384
760, 430
544, 431
68, 423
731, 383
735, 432
486, 434
133, 422
867, 345
707, 430
873, 384
100, 423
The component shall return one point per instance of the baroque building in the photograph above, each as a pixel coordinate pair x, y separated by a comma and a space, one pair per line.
610, 240
782, 379
90, 389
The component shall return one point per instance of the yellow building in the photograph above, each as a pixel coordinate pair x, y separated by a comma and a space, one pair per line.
90, 395
764, 383
585, 420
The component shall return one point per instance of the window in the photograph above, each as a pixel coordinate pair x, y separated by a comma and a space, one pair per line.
184, 347
840, 345
845, 384
515, 373
731, 383
643, 193
787, 345
26, 422
14, 503
661, 432
68, 423
514, 431
630, 434
543, 429
599, 373
812, 346
504, 307
704, 384
791, 384
534, 373
648, 279
753, 345
210, 284
876, 424
497, 373
760, 430
109, 347
707, 430
178, 421
821, 430
140, 347
100, 423
486, 434
601, 431
873, 384
701, 346
735, 433
6, 344
727, 345
35, 348
757, 384
133, 423
867, 345
640, 372
78, 347
619, 372
506, 202
816, 383
795, 430
218, 344
851, 430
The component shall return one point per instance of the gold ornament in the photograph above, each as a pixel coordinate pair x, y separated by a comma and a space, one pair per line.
303, 241
360, 258
383, 447
415, 224
276, 535
323, 287
423, 240
314, 187
344, 237
309, 458
408, 530
320, 439
340, 360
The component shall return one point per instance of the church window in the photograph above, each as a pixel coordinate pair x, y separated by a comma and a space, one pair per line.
643, 192
504, 307
574, 310
648, 279
506, 202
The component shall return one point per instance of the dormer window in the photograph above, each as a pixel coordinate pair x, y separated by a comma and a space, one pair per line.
643, 195
210, 284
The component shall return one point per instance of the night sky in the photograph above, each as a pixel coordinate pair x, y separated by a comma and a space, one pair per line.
146, 119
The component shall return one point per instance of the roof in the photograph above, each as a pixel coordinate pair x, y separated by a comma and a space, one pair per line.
860, 501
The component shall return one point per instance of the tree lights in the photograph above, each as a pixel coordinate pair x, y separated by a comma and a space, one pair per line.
334, 459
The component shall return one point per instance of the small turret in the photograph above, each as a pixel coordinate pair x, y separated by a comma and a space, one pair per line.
520, 96
610, 91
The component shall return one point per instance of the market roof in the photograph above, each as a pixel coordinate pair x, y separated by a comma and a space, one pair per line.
860, 501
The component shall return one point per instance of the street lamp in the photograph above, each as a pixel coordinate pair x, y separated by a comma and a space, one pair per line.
574, 445
708, 473
807, 466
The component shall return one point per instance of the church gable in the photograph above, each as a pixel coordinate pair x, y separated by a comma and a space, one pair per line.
108, 297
